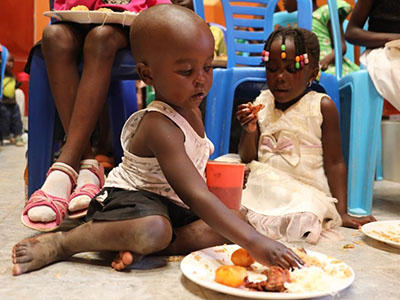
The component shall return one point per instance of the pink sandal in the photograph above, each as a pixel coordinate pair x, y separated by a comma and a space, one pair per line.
88, 189
57, 204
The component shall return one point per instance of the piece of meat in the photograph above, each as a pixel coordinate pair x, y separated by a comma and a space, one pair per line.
276, 278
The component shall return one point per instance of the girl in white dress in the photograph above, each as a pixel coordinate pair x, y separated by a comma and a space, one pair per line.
297, 184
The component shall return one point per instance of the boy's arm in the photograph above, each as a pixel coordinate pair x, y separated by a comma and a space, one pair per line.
355, 33
166, 141
334, 165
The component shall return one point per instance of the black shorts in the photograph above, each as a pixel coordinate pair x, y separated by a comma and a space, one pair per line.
118, 204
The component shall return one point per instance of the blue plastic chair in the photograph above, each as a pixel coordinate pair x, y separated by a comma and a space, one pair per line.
4, 55
220, 97
285, 19
361, 113
42, 112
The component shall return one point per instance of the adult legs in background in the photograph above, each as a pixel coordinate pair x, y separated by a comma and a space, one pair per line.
79, 101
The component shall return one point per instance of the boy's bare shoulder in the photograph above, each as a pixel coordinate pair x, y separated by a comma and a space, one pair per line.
155, 123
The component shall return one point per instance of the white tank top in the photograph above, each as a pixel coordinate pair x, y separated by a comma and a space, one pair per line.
144, 173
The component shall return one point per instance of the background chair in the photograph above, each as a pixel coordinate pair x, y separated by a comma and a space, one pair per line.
42, 111
4, 55
361, 113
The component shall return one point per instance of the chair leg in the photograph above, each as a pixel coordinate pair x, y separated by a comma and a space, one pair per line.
361, 119
42, 114
379, 171
214, 118
122, 103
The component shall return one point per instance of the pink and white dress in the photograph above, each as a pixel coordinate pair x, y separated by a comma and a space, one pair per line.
287, 195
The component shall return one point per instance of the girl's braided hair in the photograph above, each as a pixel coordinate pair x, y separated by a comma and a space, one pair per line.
305, 41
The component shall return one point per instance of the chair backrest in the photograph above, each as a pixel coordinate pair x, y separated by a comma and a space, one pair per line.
333, 12
285, 19
249, 23
4, 55
350, 47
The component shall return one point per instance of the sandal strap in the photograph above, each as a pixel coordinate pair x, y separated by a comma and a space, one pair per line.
59, 166
96, 168
57, 204
88, 189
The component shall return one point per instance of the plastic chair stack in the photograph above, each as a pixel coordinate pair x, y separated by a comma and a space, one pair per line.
42, 112
361, 113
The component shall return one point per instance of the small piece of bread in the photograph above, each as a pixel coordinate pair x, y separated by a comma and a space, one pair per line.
80, 8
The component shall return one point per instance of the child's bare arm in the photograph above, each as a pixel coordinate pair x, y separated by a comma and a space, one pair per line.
334, 165
355, 33
248, 143
166, 141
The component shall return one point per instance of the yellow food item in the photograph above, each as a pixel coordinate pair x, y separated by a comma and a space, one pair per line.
80, 8
242, 258
105, 9
230, 275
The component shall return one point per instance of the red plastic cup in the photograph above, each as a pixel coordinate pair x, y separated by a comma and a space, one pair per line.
225, 180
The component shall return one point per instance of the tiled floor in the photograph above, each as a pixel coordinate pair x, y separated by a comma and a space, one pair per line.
377, 266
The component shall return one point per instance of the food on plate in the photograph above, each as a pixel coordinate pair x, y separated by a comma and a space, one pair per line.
105, 9
389, 235
276, 279
230, 275
320, 273
241, 257
80, 8
255, 108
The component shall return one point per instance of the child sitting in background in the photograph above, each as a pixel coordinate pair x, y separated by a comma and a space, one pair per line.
382, 39
76, 176
321, 26
10, 115
153, 200
297, 185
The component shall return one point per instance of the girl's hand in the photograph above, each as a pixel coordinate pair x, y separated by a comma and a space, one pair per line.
270, 252
356, 222
247, 116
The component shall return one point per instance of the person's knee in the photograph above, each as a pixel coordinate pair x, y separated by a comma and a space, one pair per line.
101, 42
155, 236
59, 40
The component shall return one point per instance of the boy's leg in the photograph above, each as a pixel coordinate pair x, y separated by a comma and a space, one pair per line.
141, 236
194, 236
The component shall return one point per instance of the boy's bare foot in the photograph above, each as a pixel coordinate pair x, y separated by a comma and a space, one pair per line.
37, 252
122, 260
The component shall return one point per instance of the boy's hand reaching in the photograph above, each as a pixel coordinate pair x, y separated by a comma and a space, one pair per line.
270, 252
247, 116
356, 222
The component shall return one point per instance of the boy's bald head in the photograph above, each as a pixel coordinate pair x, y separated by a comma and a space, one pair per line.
164, 26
